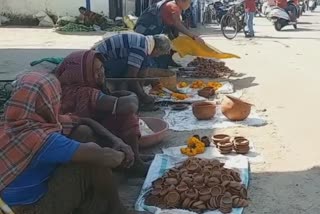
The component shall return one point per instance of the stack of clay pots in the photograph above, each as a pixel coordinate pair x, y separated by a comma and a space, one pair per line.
241, 145
225, 145
199, 185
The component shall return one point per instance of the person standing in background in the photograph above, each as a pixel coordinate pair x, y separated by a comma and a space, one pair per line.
250, 8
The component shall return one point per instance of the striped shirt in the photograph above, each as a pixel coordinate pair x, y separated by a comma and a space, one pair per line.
131, 46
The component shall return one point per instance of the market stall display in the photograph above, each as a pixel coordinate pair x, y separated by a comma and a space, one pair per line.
199, 185
226, 144
206, 68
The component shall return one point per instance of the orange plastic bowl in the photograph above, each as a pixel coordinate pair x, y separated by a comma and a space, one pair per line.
159, 127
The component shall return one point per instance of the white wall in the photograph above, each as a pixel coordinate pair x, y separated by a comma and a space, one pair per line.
58, 7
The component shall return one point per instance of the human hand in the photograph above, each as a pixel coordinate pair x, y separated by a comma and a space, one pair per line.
148, 99
112, 158
198, 39
119, 145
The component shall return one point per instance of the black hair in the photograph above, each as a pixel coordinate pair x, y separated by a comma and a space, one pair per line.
82, 8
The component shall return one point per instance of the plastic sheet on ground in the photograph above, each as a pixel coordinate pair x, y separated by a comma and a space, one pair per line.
185, 120
162, 163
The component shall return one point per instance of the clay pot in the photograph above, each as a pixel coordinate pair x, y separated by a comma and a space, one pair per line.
204, 110
206, 141
221, 138
235, 109
206, 92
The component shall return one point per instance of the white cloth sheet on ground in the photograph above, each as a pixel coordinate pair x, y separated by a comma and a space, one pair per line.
162, 163
185, 120
253, 156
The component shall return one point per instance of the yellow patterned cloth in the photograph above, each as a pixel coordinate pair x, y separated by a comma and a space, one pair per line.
185, 45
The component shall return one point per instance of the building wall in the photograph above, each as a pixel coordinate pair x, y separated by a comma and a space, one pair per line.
58, 7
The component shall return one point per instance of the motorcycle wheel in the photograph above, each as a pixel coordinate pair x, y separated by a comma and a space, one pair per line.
278, 25
295, 26
229, 26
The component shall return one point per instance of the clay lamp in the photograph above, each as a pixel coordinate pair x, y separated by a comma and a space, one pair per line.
156, 191
213, 203
206, 172
192, 167
221, 138
152, 200
225, 183
171, 188
164, 192
206, 141
172, 199
216, 173
216, 168
218, 200
236, 176
208, 167
226, 202
171, 181
241, 141
157, 183
186, 203
236, 185
215, 191
214, 162
205, 198
198, 178
244, 193
226, 178
203, 162
199, 205
199, 186
205, 191
182, 188
187, 180
214, 180
192, 194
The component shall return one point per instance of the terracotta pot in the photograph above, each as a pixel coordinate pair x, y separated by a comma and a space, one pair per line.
221, 138
206, 141
235, 109
204, 110
206, 92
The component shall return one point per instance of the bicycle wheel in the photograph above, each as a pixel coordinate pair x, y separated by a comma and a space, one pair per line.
229, 26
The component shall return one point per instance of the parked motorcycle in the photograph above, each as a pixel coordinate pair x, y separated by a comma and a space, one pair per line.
312, 5
281, 18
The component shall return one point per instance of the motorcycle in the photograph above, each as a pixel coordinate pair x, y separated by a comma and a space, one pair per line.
281, 18
312, 5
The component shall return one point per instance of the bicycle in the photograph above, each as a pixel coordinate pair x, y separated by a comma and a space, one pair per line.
233, 21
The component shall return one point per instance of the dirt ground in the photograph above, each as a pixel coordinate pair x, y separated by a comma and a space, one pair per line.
278, 74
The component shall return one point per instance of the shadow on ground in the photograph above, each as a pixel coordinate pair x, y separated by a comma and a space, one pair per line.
243, 83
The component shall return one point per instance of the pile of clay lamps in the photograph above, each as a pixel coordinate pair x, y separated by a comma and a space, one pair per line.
199, 185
